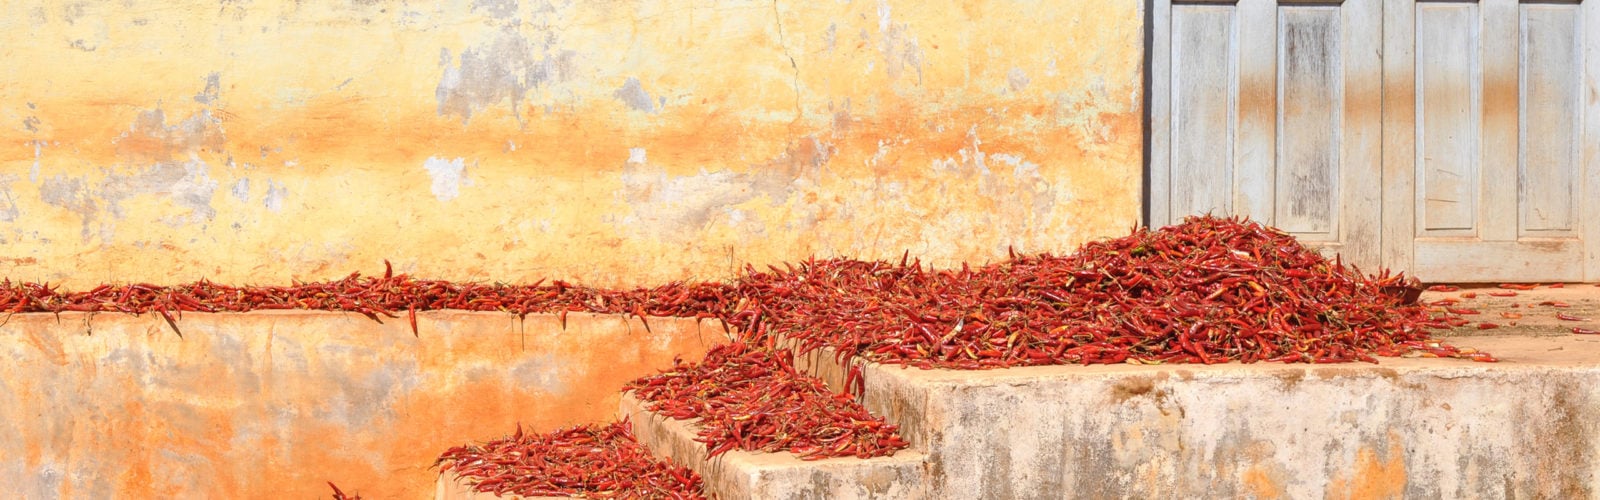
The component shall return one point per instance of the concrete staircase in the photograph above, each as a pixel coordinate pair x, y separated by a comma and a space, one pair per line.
1528, 426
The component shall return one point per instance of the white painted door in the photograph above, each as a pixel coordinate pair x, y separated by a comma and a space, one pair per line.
1270, 109
1492, 139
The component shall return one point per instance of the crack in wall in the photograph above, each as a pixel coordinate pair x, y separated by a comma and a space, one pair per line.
778, 18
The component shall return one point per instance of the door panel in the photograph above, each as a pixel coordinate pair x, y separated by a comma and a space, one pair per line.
1488, 140
1204, 83
1270, 109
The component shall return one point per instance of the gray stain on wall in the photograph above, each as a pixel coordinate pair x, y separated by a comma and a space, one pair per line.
633, 94
681, 205
502, 69
158, 159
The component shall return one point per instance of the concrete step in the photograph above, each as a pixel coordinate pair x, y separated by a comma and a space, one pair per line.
741, 474
450, 487
1528, 426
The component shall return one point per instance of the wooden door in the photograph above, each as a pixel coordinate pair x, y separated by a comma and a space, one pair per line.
1270, 109
1492, 139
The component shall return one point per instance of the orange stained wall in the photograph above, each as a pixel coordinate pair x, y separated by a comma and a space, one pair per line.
608, 142
276, 404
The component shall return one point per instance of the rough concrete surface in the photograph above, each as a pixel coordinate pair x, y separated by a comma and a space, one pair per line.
1526, 427
275, 404
741, 474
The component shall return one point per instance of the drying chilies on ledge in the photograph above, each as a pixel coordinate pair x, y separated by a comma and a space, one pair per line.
1208, 290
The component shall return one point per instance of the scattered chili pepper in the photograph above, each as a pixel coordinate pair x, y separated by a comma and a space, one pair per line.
1518, 286
340, 495
1569, 317
1555, 303
1584, 331
1462, 311
1487, 326
1469, 295
1443, 288
582, 461
1558, 285
752, 398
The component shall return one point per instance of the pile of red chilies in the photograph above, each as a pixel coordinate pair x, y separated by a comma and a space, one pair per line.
1210, 290
753, 399
583, 461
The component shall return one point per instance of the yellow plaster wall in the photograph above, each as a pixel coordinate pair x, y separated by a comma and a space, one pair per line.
608, 142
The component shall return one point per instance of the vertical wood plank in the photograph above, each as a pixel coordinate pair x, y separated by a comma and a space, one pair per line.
1204, 80
1160, 114
1551, 104
1399, 134
1361, 210
1255, 176
1590, 198
1310, 79
1448, 115
1497, 210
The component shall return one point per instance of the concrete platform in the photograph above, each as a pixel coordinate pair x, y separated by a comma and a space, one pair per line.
274, 404
776, 476
1526, 427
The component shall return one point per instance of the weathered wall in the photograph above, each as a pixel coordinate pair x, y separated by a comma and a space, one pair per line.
611, 142
274, 404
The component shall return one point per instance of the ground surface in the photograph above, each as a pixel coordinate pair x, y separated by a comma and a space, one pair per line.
1524, 313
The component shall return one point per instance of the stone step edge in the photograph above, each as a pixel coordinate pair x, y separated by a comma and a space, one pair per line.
451, 487
743, 474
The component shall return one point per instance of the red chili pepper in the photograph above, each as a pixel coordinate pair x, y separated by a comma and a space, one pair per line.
1469, 295
1568, 317
1462, 311
1487, 326
1443, 288
1585, 331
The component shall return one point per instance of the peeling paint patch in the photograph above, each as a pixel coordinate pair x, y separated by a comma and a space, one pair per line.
447, 175
500, 70
38, 151
1017, 79
900, 48
633, 94
276, 192
71, 193
212, 91
187, 185
150, 139
241, 189
668, 205
499, 9
8, 200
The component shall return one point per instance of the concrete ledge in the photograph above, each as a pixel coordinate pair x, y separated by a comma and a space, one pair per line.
450, 487
275, 404
1528, 426
743, 474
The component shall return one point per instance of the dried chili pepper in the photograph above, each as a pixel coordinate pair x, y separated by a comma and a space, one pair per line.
582, 461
